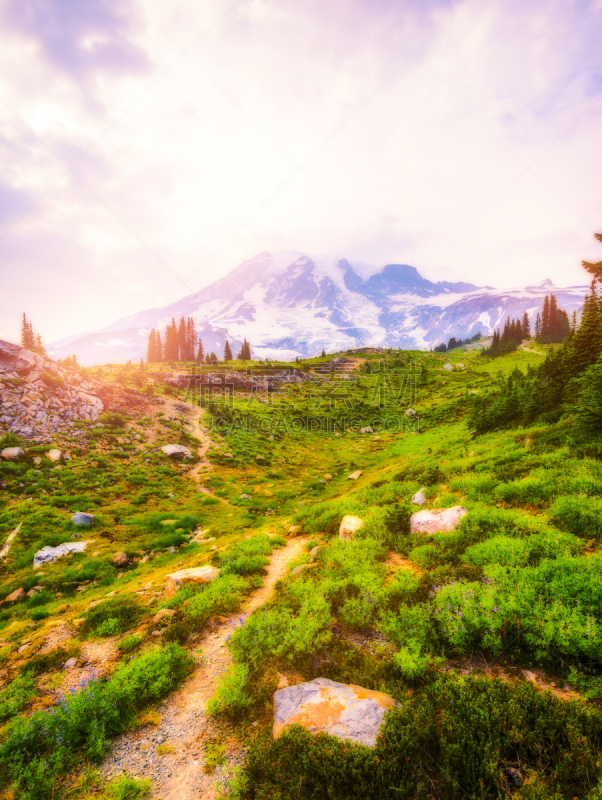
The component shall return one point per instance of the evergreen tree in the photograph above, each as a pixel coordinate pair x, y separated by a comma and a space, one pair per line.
151, 350
171, 346
212, 358
245, 351
191, 339
182, 340
545, 317
200, 352
538, 326
594, 268
158, 347
227, 352
526, 326
39, 347
323, 353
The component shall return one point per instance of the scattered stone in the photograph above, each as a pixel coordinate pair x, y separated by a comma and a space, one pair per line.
12, 453
82, 518
244, 497
323, 706
119, 560
283, 682
419, 499
367, 429
313, 553
259, 458
294, 530
193, 575
18, 594
54, 455
70, 663
349, 525
328, 476
441, 520
448, 367
176, 451
164, 612
301, 567
49, 554
410, 412
354, 475
37, 461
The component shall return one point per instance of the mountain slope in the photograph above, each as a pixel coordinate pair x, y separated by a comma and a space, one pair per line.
290, 304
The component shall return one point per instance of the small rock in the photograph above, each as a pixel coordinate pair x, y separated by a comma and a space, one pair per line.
164, 612
367, 429
37, 461
294, 530
441, 520
328, 476
70, 663
354, 475
419, 499
54, 455
349, 525
119, 560
301, 567
81, 518
314, 551
12, 453
176, 451
18, 594
244, 497
205, 574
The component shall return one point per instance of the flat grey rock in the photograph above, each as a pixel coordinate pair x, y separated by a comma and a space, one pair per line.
81, 518
49, 554
176, 451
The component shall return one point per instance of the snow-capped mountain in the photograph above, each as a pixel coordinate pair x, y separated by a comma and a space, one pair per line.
290, 304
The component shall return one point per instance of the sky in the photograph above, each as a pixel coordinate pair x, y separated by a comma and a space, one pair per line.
148, 148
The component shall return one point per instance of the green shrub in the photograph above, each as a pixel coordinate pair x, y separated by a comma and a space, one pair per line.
232, 698
15, 695
130, 643
112, 617
579, 515
37, 749
457, 735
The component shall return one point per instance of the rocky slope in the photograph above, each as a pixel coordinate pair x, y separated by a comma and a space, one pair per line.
40, 399
291, 304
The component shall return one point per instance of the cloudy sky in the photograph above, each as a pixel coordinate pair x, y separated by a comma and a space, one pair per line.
148, 148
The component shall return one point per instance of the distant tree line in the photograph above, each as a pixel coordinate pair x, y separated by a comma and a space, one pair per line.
29, 339
568, 381
453, 342
181, 343
515, 331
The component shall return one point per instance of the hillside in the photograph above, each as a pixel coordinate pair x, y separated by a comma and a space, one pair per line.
120, 679
291, 304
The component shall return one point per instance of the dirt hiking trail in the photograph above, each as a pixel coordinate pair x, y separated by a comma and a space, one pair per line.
185, 727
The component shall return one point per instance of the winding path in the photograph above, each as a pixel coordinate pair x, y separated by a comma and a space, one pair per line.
184, 725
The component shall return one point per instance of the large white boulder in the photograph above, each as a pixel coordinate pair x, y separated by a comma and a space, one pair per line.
448, 367
443, 519
349, 525
55, 455
192, 575
324, 706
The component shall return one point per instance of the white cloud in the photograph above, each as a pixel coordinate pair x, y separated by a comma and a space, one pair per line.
194, 159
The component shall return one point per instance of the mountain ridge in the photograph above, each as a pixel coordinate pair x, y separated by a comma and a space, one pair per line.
289, 304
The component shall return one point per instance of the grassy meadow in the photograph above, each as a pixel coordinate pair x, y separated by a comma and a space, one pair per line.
489, 637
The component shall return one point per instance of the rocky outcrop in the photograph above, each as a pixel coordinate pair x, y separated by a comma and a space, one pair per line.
39, 398
440, 520
120, 560
324, 706
192, 575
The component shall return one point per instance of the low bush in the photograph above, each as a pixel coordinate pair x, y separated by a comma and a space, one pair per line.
579, 515
15, 695
37, 749
232, 697
112, 617
457, 735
